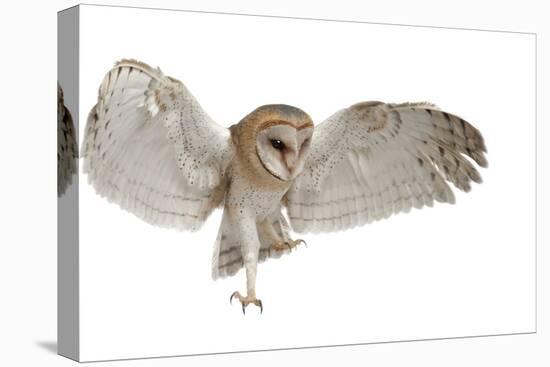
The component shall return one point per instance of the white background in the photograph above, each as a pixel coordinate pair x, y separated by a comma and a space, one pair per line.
28, 258
460, 270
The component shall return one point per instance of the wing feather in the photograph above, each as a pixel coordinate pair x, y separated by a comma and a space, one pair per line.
150, 148
372, 160
66, 146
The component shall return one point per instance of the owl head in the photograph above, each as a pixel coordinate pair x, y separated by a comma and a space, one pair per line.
274, 141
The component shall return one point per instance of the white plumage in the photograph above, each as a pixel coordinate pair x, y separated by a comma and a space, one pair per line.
151, 148
144, 154
372, 160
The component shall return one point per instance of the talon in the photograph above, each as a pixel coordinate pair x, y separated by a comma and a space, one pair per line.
289, 246
234, 294
245, 301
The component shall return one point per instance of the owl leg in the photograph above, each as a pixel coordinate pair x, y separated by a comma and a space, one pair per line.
250, 258
251, 262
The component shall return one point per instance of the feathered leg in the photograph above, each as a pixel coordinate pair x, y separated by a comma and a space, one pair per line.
250, 249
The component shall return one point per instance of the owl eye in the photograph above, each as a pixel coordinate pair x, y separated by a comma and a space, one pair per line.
277, 144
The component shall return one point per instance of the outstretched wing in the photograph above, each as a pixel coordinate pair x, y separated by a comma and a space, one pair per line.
151, 148
373, 159
66, 145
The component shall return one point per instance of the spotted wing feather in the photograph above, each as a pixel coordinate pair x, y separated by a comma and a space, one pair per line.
372, 160
150, 148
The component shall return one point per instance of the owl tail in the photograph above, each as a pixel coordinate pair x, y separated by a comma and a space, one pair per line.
227, 258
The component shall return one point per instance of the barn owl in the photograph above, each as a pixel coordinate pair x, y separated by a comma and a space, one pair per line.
150, 148
66, 145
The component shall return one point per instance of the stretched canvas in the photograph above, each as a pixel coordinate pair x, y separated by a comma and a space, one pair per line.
384, 192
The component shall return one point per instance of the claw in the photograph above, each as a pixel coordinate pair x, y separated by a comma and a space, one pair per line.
289, 246
231, 298
245, 301
304, 242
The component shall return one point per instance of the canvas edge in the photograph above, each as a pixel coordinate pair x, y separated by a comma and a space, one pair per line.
68, 326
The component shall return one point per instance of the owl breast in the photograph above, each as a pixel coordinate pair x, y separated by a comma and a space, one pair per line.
244, 198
